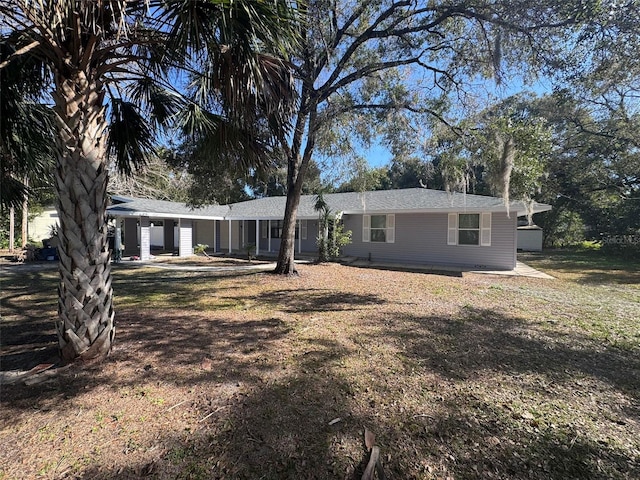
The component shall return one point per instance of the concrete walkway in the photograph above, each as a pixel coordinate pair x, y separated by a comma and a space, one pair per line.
521, 270
209, 268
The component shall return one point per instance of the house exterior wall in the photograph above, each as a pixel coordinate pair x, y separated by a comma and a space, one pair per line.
185, 245
421, 238
224, 235
308, 244
236, 232
204, 233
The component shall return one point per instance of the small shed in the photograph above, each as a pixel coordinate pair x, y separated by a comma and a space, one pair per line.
530, 238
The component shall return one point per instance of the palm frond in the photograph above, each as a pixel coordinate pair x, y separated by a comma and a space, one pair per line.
131, 137
27, 145
161, 103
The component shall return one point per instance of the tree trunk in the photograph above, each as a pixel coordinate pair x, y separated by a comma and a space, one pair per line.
25, 216
296, 170
85, 325
12, 229
286, 256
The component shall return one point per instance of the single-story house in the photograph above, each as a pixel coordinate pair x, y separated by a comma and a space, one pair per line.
411, 226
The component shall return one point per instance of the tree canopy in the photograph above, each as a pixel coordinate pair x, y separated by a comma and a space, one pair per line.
114, 72
397, 70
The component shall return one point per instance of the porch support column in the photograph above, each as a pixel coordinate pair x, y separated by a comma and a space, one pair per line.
117, 242
185, 237
257, 237
230, 237
145, 238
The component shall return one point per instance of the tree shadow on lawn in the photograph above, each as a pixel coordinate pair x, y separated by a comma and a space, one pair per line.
28, 335
283, 432
481, 339
278, 427
275, 423
307, 300
27, 326
252, 424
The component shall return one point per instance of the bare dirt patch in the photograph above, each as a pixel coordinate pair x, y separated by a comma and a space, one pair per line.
257, 376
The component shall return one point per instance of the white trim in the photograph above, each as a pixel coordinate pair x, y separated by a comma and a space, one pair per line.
391, 228
485, 229
452, 229
366, 228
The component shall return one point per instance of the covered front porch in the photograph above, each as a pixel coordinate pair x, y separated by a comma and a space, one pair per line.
145, 236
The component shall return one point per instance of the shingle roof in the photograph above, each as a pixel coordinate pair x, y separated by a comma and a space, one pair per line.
142, 207
382, 201
417, 200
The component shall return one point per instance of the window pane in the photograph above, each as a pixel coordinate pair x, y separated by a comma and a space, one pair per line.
468, 237
378, 235
276, 228
469, 220
378, 221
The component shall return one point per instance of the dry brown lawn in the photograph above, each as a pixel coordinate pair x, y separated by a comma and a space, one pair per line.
256, 376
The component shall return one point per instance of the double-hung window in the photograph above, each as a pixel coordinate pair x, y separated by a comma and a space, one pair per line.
379, 228
277, 228
469, 229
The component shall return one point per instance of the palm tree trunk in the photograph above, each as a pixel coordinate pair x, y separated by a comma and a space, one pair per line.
85, 325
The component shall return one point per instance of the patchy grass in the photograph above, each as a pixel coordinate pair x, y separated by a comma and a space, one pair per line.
244, 376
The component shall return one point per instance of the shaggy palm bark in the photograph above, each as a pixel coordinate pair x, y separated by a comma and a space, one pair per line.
85, 325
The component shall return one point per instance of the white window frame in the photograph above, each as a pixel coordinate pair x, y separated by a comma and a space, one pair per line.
389, 228
484, 229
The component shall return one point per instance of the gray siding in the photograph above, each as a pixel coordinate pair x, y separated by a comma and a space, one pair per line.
224, 235
422, 239
185, 243
308, 244
204, 233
